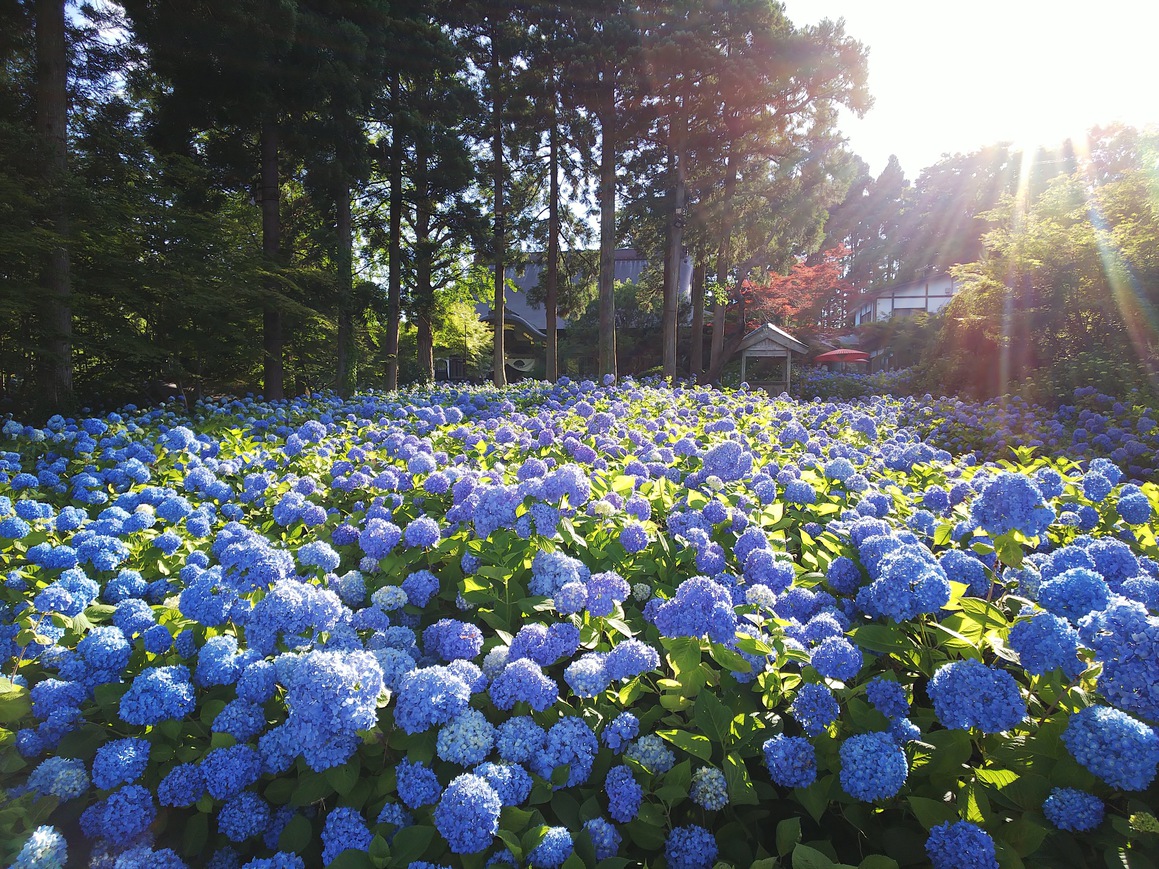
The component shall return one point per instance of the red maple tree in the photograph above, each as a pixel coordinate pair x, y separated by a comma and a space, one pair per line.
809, 300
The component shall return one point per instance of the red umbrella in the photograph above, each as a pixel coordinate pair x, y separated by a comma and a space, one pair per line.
843, 355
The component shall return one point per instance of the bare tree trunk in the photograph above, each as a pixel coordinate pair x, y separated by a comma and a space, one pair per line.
677, 136
607, 280
55, 377
723, 264
394, 250
550, 300
273, 341
344, 223
696, 352
499, 367
424, 254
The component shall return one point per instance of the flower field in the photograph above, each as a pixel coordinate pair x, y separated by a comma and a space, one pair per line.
581, 626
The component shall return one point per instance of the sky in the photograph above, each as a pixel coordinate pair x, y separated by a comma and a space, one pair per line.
952, 77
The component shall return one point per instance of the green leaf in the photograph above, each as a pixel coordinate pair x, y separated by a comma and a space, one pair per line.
296, 836
195, 836
351, 859
693, 743
880, 638
805, 857
752, 645
740, 787
409, 843
712, 717
973, 804
729, 658
815, 798
379, 851
683, 655
930, 813
574, 861
1024, 835
998, 778
877, 861
15, 701
788, 835
343, 778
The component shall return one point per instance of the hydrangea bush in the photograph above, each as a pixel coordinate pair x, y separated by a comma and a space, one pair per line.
571, 626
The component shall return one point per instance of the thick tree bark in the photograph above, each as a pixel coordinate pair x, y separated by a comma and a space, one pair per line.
723, 265
346, 354
394, 244
677, 137
607, 280
272, 337
55, 380
696, 351
497, 169
424, 254
550, 301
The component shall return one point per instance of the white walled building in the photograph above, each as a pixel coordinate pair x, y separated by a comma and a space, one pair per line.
926, 295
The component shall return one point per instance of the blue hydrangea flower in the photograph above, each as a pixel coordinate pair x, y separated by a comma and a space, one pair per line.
44, 849
815, 708
519, 739
605, 838
121, 761
873, 766
243, 817
63, 778
1074, 593
1011, 502
791, 761
709, 789
624, 794
837, 658
467, 815
1118, 749
157, 694
418, 785
1073, 810
467, 739
960, 845
690, 847
553, 849
430, 696
969, 694
650, 752
888, 697
182, 786
511, 781
1045, 642
344, 829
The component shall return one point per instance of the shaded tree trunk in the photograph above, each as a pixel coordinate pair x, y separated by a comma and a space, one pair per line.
723, 265
394, 244
696, 352
607, 302
272, 337
345, 351
677, 137
424, 302
552, 288
55, 375
497, 308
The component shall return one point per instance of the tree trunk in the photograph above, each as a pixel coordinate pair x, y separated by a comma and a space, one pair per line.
55, 385
607, 281
424, 254
346, 356
550, 299
497, 309
723, 264
677, 137
272, 339
394, 249
696, 352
